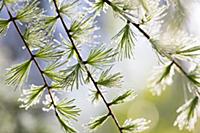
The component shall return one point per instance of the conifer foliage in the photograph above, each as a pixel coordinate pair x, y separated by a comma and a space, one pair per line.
143, 15
66, 67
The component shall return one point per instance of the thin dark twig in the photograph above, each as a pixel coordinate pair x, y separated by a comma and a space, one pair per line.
86, 68
148, 38
33, 58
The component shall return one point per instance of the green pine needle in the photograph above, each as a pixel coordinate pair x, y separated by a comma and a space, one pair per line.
49, 52
189, 51
65, 125
192, 107
125, 42
110, 80
53, 73
10, 1
165, 73
55, 76
99, 5
135, 126
66, 8
35, 36
95, 96
125, 97
18, 73
69, 49
4, 25
30, 12
50, 23
74, 76
66, 109
96, 123
82, 27
31, 96
188, 114
100, 57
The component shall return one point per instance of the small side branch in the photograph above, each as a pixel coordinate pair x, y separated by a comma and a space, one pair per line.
80, 59
148, 37
33, 58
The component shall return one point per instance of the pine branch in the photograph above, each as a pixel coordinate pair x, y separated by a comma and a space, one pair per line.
33, 58
80, 59
188, 113
148, 37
